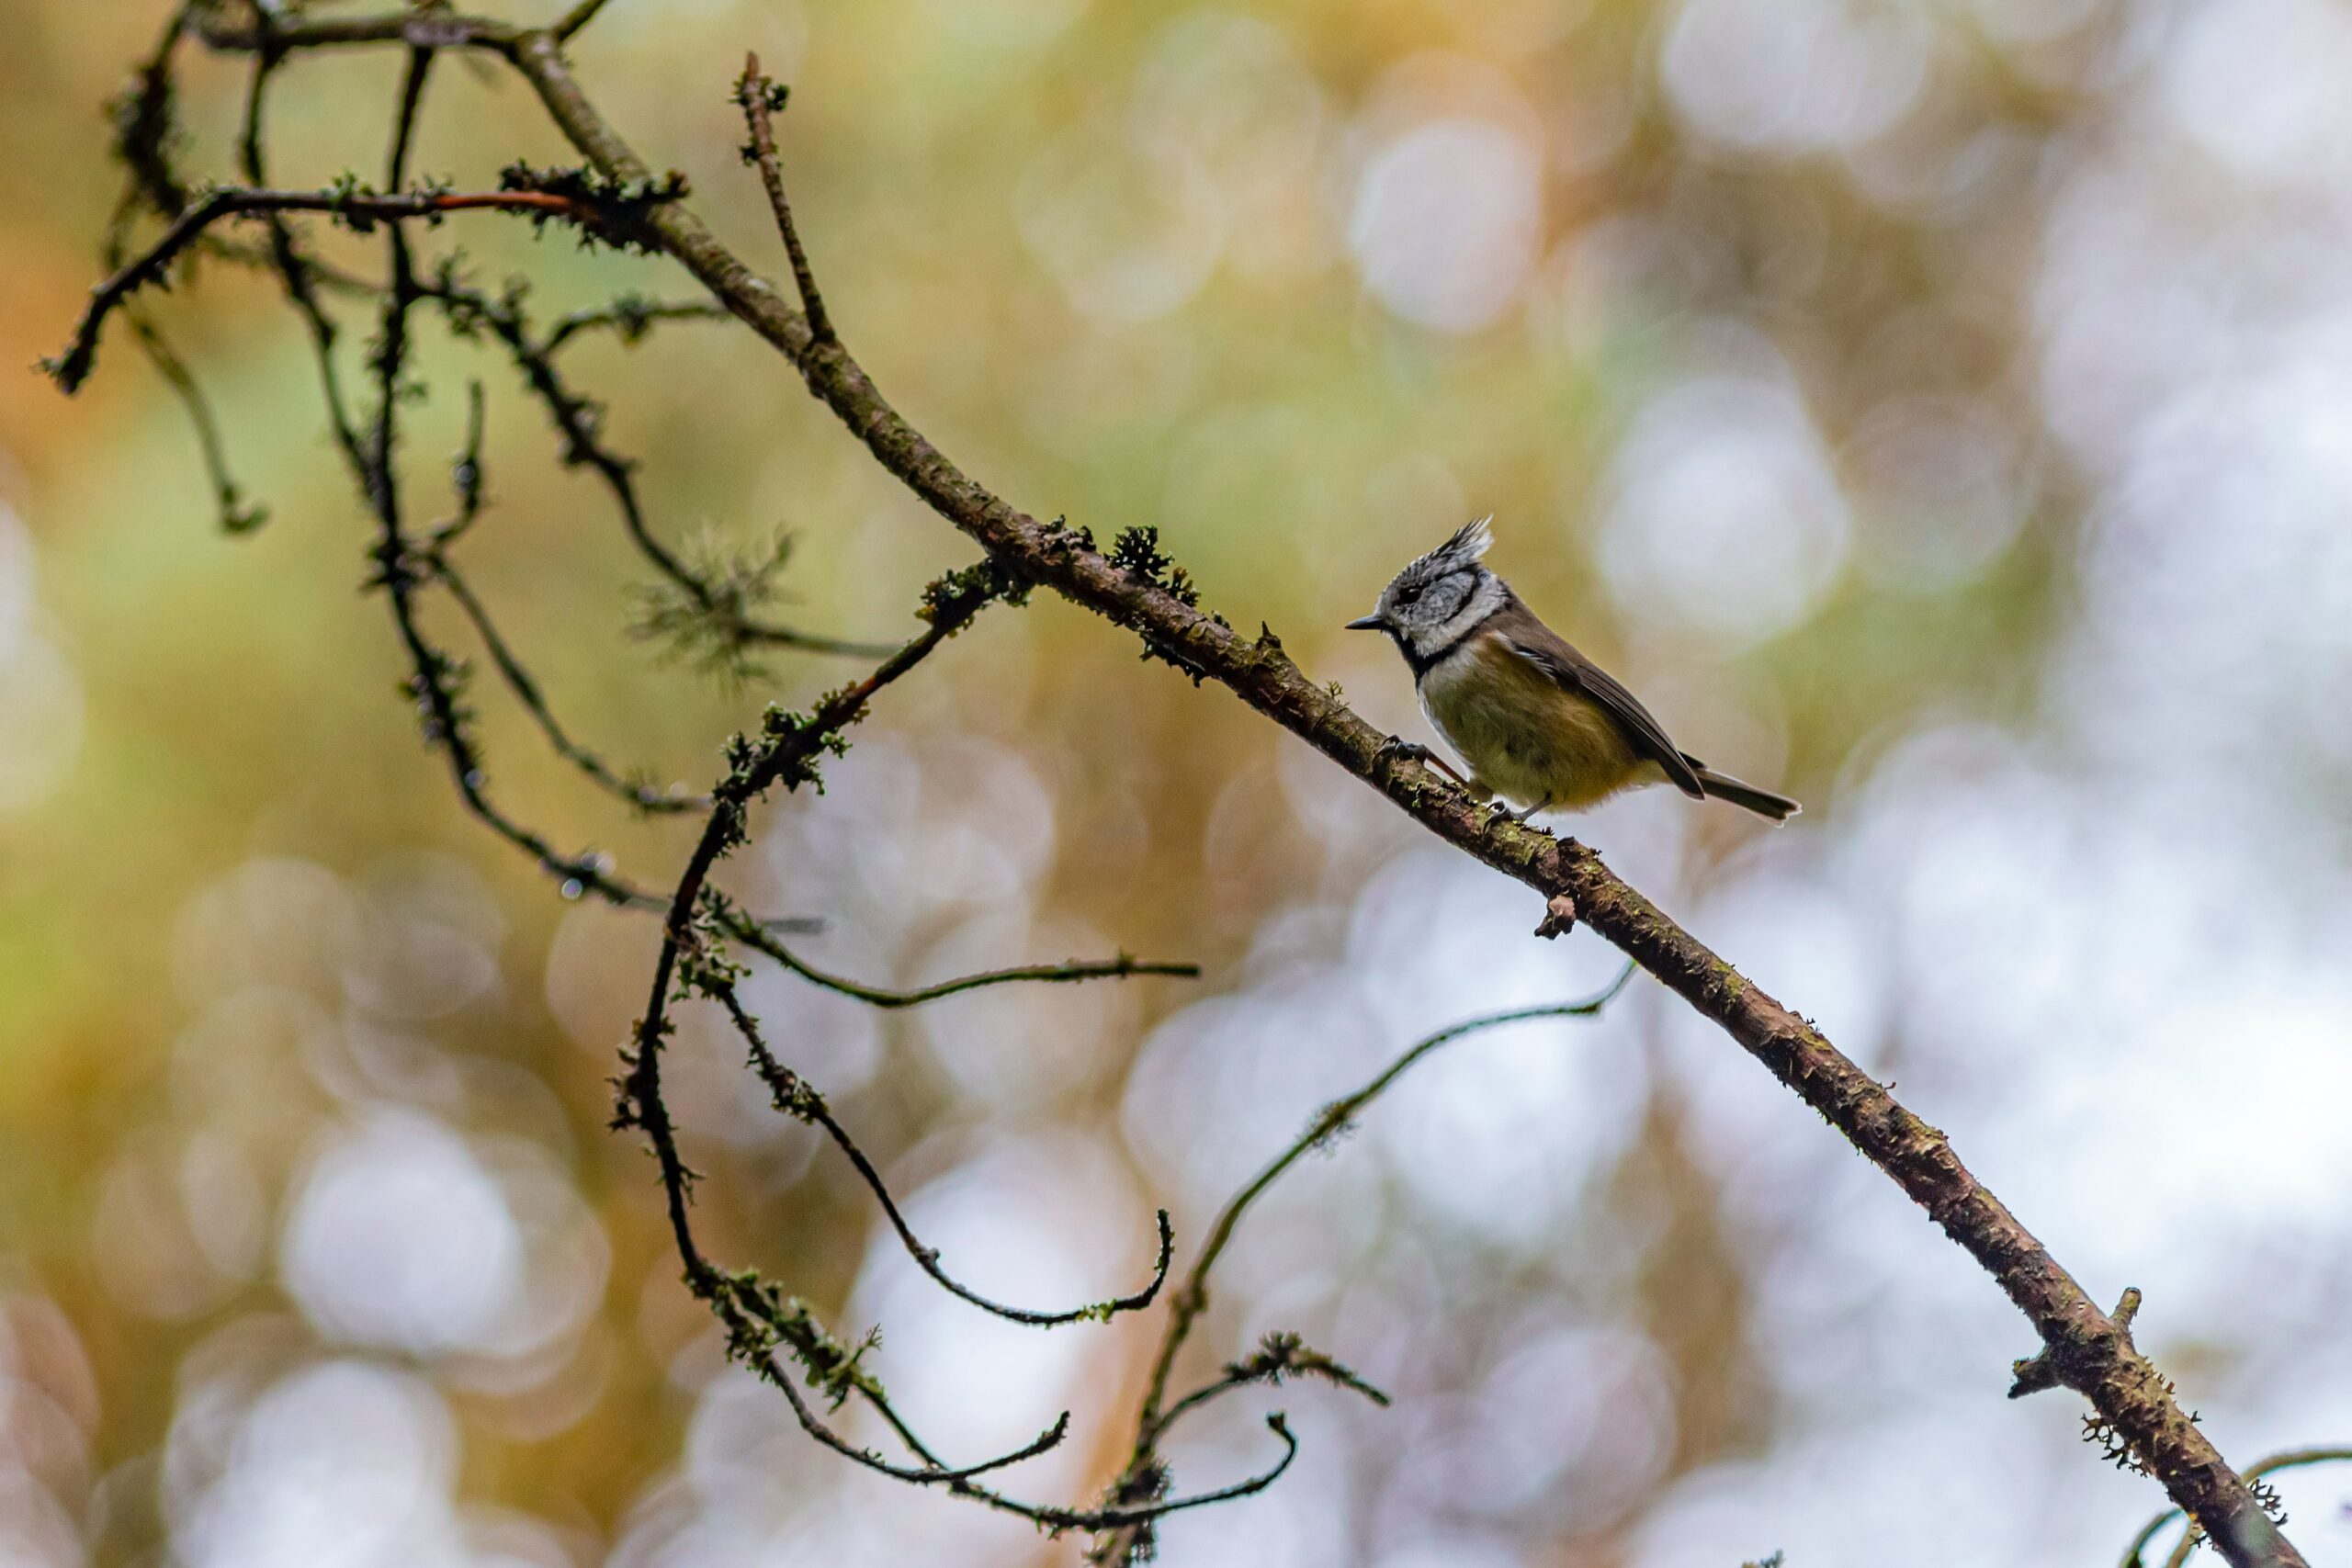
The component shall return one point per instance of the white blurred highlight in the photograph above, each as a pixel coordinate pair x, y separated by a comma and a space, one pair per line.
1445, 221
404, 1237
41, 715
1723, 516
1796, 75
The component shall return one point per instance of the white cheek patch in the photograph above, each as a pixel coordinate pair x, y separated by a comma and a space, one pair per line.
1483, 601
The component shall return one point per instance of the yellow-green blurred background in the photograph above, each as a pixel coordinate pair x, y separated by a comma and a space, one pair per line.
1941, 411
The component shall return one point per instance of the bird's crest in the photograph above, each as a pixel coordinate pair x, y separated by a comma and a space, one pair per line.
1470, 541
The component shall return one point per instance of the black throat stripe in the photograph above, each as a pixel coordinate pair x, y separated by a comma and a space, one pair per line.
1422, 664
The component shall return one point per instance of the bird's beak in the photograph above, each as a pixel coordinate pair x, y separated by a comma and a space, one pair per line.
1375, 621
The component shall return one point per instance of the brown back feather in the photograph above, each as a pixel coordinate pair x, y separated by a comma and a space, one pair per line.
1551, 652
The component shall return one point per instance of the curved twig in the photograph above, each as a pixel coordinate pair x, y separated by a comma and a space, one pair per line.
755, 1323
628, 317
236, 514
796, 1097
762, 939
71, 368
1278, 1356
578, 421
759, 98
642, 796
1192, 1299
1115, 1517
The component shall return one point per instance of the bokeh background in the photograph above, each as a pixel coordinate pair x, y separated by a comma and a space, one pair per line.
1942, 410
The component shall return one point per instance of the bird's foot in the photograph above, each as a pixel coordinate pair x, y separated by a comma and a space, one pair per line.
1559, 917
1396, 746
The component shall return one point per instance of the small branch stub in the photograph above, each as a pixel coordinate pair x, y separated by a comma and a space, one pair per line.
1559, 917
2043, 1370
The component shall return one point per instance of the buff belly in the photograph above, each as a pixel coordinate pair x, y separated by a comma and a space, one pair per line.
1525, 737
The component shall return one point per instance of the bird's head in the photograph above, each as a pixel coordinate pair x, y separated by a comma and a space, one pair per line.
1436, 601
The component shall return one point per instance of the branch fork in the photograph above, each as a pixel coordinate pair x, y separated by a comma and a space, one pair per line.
2064, 1364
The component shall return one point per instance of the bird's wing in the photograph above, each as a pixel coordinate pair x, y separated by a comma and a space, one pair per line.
1548, 651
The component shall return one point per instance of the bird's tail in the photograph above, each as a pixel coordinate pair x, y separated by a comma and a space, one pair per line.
1763, 802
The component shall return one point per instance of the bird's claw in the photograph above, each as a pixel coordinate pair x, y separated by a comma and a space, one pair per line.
1397, 747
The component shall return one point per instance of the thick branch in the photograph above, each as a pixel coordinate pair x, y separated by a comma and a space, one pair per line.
2293, 1459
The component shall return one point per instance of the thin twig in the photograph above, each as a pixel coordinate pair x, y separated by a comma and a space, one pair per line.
640, 796
753, 935
1146, 1472
579, 422
796, 1097
578, 16
629, 318
295, 270
761, 98
1278, 1356
236, 514
1193, 1297
71, 368
413, 83
466, 477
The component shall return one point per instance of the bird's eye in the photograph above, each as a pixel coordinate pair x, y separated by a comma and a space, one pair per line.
1407, 593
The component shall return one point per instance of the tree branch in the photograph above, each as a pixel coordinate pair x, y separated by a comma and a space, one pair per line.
762, 939
796, 1097
579, 421
1146, 1472
71, 368
2293, 1459
578, 16
627, 316
761, 99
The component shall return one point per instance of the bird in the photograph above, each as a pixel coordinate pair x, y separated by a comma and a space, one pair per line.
1537, 723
